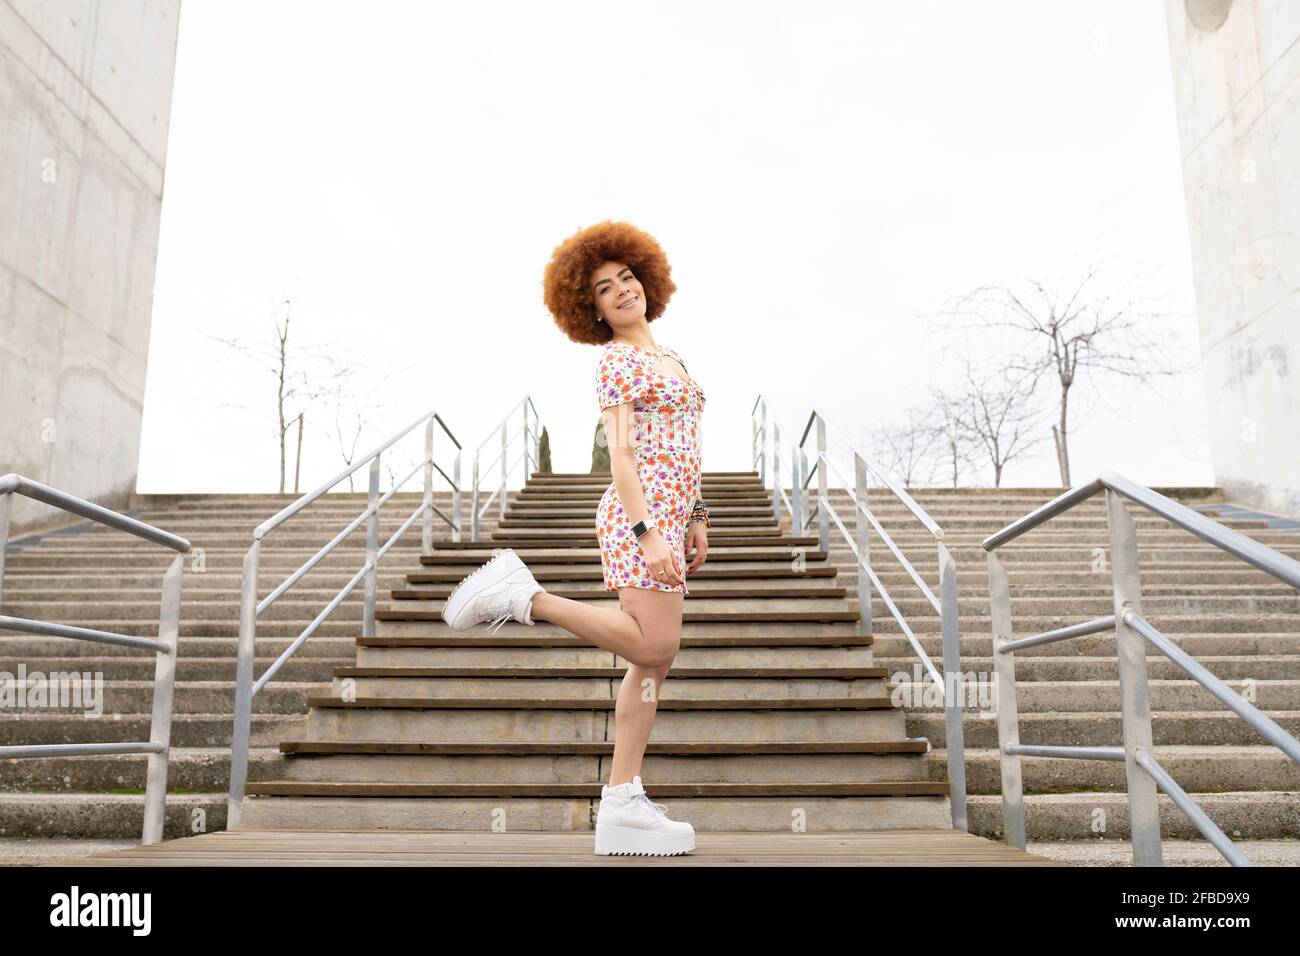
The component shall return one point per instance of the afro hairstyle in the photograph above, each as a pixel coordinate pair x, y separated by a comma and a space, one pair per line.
566, 285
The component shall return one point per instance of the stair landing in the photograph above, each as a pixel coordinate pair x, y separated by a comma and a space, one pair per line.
257, 847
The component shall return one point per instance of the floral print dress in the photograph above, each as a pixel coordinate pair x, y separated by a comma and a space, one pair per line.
666, 433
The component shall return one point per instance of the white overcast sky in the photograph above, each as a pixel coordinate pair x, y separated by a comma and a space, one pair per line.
822, 175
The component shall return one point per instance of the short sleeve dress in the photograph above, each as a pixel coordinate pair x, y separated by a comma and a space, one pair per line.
666, 414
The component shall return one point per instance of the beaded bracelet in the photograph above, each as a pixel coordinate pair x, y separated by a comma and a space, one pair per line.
700, 512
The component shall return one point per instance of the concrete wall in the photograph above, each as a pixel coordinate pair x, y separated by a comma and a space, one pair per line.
85, 100
1236, 67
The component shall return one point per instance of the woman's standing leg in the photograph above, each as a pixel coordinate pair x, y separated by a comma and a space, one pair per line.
659, 613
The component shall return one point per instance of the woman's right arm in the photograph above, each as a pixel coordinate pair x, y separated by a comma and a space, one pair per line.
618, 423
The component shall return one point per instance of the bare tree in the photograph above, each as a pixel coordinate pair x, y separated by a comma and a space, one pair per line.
355, 410
908, 450
1088, 327
302, 374
999, 418
400, 464
952, 438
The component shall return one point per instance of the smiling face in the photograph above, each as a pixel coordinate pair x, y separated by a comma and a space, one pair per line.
618, 296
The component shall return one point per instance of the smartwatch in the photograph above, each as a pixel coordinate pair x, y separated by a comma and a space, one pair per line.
641, 527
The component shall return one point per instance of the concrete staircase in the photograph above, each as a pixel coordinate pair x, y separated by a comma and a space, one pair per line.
716, 758
773, 713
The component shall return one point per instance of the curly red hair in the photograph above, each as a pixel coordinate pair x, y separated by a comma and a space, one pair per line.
566, 285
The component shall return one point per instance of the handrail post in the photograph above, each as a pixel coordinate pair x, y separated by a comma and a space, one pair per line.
164, 692
954, 732
1135, 705
537, 441
243, 685
426, 529
532, 438
776, 474
455, 498
473, 503
762, 430
796, 499
823, 517
1004, 668
527, 442
505, 468
6, 509
863, 542
372, 552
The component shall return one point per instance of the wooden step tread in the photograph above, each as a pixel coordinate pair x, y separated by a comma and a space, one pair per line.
715, 591
600, 703
573, 573
580, 504
677, 673
471, 639
601, 747
402, 614
446, 553
554, 522
902, 788
536, 475
586, 528
587, 539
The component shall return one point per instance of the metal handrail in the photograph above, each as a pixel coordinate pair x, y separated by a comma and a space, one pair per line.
767, 444
529, 455
917, 511
250, 608
1143, 773
158, 746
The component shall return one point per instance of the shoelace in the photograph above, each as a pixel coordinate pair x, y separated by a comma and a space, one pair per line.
495, 624
661, 808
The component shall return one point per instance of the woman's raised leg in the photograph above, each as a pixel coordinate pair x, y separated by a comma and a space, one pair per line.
615, 630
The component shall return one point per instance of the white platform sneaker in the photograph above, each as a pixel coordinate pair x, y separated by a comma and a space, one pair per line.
500, 590
630, 822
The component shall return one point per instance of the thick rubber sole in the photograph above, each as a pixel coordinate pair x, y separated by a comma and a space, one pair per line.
616, 841
494, 571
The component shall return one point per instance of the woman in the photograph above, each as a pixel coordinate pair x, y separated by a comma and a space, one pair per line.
605, 285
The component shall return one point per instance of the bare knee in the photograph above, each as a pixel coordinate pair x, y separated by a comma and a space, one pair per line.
660, 623
658, 648
667, 653
655, 655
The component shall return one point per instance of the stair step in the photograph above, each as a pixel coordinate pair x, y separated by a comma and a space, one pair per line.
678, 673
719, 592
693, 615
576, 574
558, 638
1075, 816
601, 748
905, 788
592, 554
599, 703
587, 539
762, 814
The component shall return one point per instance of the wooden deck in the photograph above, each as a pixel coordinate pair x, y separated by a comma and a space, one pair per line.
250, 847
